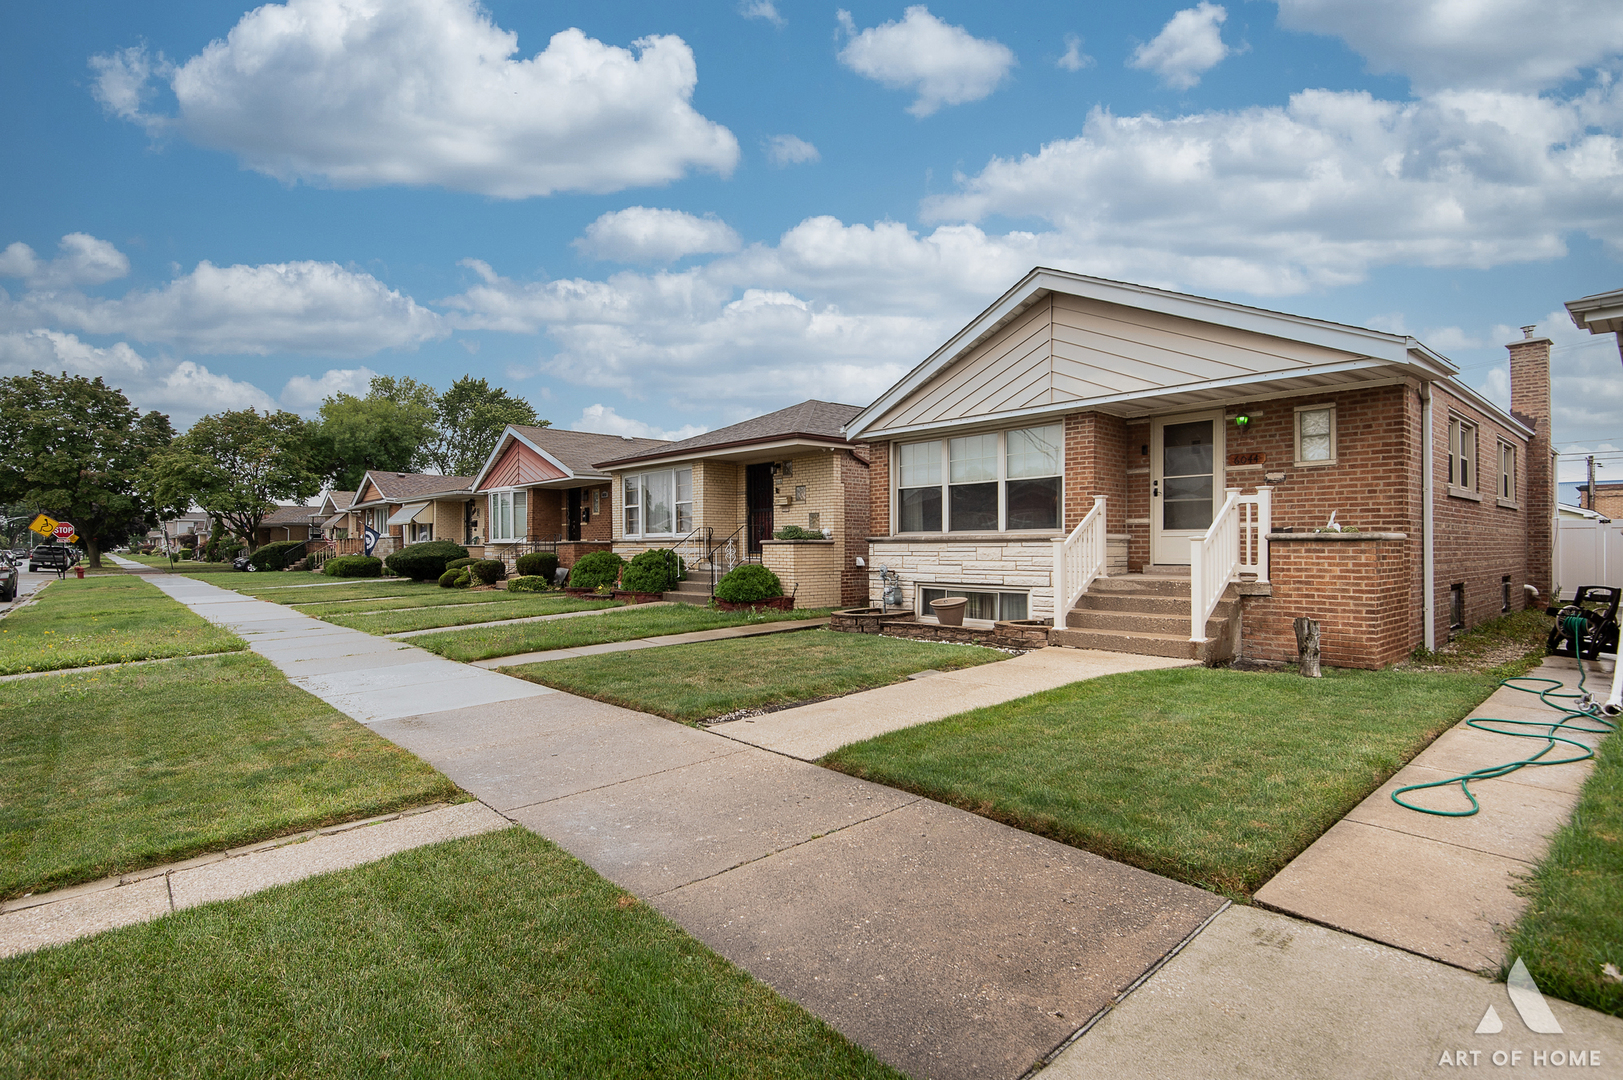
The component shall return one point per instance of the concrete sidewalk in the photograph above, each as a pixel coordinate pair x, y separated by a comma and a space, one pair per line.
1443, 887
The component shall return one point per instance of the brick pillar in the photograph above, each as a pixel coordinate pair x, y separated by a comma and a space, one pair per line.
879, 489
1095, 464
1530, 403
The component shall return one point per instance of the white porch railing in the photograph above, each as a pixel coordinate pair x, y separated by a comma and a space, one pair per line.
1079, 560
1237, 543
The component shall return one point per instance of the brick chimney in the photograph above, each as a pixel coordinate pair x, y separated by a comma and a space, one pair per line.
1530, 403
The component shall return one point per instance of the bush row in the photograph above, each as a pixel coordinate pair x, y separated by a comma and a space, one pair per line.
360, 566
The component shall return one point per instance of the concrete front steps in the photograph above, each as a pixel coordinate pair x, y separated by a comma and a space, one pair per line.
1148, 614
695, 590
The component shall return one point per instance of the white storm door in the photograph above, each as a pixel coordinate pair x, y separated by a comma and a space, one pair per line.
1186, 480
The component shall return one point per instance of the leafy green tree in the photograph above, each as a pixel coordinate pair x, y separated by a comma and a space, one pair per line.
388, 429
74, 448
236, 466
470, 417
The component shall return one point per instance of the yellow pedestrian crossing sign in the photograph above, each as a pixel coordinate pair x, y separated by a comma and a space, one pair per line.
44, 526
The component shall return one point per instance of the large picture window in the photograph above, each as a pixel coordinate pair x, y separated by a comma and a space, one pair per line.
997, 482
659, 503
507, 516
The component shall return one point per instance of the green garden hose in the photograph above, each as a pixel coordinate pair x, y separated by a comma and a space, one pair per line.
1575, 626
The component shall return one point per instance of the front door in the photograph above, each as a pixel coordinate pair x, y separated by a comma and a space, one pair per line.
1186, 478
574, 514
758, 504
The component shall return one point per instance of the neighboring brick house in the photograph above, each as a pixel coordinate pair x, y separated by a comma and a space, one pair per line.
990, 455
727, 491
288, 523
407, 508
1606, 501
541, 488
334, 516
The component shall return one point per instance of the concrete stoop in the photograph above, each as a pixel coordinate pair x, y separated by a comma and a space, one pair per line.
695, 590
1148, 614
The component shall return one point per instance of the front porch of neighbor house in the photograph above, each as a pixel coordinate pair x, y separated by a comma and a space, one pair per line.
1176, 514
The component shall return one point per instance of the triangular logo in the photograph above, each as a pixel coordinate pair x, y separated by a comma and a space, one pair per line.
1491, 1024
1535, 1011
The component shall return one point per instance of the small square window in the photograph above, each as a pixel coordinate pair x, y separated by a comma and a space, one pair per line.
814, 521
1316, 435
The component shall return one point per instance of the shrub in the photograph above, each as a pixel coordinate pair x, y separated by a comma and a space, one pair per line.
425, 561
275, 556
747, 584
653, 571
529, 583
795, 532
463, 578
353, 566
457, 564
448, 579
596, 570
538, 564
488, 571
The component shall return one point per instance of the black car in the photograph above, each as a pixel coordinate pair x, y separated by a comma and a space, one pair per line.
8, 578
52, 557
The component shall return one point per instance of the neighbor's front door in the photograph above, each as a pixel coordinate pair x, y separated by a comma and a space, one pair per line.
1186, 478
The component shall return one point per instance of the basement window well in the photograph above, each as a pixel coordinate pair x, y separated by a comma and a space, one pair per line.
987, 606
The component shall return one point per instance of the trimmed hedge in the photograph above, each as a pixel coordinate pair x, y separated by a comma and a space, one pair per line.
448, 578
353, 566
529, 583
538, 564
457, 564
653, 571
595, 570
747, 584
274, 556
425, 561
488, 571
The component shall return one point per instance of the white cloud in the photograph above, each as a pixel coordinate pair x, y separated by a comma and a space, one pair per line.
358, 93
191, 388
761, 9
1188, 46
308, 307
1497, 44
1272, 200
785, 150
52, 350
1074, 59
85, 260
304, 394
605, 421
641, 234
945, 64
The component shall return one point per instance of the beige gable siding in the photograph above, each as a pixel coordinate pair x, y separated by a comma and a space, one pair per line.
1069, 348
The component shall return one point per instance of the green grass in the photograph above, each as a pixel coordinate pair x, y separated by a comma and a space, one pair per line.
1217, 778
109, 771
518, 606
714, 678
495, 957
404, 598
186, 566
1573, 924
106, 619
487, 642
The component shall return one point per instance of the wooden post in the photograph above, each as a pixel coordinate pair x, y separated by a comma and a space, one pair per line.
1307, 646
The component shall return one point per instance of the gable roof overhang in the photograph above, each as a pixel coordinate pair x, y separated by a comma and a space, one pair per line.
1334, 357
1599, 313
745, 451
510, 435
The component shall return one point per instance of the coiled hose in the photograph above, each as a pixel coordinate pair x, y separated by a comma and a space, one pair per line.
1548, 732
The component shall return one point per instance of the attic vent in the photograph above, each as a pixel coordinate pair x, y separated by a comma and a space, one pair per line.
627, 438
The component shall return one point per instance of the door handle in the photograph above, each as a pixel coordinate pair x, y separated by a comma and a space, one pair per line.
1155, 489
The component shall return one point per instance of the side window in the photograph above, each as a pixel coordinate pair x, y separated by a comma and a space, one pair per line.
1316, 435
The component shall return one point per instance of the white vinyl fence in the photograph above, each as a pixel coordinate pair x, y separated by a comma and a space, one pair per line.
1587, 553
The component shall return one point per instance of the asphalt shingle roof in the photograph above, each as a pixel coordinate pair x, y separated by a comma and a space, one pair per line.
404, 487
580, 451
809, 419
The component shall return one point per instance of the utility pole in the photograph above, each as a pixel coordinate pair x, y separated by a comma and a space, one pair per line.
1591, 505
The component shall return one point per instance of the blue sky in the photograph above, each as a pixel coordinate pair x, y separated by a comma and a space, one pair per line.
655, 219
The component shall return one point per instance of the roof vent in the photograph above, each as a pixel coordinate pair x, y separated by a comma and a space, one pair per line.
1527, 331
627, 438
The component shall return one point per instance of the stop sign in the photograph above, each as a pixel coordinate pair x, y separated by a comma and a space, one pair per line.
64, 530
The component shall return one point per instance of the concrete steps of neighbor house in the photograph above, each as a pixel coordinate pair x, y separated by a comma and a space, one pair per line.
694, 590
1130, 622
1147, 614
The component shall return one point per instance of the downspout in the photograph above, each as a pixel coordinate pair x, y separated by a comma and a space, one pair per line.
1428, 561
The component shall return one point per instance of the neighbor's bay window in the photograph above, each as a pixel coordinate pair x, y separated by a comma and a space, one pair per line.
507, 516
659, 503
1000, 481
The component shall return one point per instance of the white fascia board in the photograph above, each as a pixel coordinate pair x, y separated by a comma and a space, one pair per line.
1601, 313
1376, 344
1502, 416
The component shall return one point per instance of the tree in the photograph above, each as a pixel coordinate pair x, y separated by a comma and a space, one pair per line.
75, 448
388, 429
470, 417
236, 465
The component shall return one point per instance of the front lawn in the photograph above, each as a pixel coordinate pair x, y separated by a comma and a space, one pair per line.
105, 619
109, 771
1573, 926
495, 956
627, 625
320, 604
517, 606
1217, 778
714, 678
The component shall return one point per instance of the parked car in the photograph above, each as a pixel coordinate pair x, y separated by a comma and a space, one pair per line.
8, 579
52, 557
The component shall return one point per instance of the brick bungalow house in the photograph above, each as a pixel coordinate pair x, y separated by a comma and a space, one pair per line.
407, 508
540, 488
1148, 469
718, 498
288, 523
1607, 499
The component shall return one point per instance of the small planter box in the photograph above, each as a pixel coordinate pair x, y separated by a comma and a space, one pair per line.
637, 597
777, 603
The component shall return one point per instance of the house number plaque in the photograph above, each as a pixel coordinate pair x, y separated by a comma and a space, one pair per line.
1247, 459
